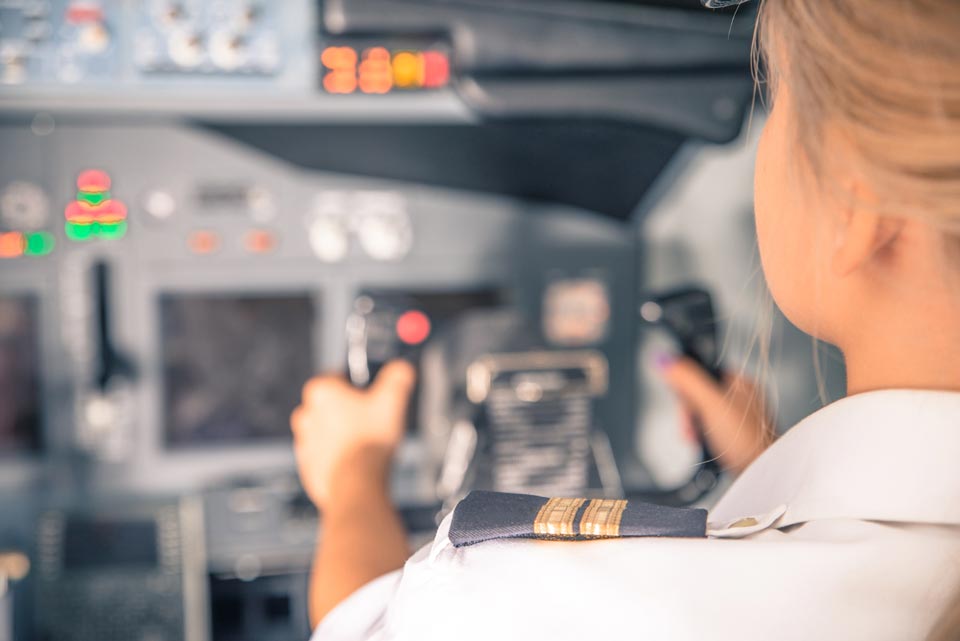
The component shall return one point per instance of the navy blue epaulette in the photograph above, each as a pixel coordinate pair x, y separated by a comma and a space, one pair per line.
484, 516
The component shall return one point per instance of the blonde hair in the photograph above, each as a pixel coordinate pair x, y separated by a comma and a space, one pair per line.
885, 73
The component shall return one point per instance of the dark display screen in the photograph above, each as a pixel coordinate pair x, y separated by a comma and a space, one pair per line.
19, 375
98, 543
233, 366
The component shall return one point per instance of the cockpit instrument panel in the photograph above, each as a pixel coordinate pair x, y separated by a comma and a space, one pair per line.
363, 59
91, 44
211, 202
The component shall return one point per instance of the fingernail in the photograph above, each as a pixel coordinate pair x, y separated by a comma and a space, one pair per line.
663, 360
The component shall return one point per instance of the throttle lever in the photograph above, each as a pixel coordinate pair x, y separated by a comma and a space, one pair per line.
688, 315
111, 363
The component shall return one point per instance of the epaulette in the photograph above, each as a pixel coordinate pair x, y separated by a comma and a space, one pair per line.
484, 516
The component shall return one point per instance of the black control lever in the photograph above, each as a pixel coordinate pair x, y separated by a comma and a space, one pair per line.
688, 315
110, 362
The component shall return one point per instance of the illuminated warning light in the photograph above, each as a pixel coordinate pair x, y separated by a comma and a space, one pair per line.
339, 58
39, 243
436, 69
413, 327
259, 241
375, 73
340, 83
90, 230
341, 65
408, 69
203, 242
109, 211
80, 12
93, 180
110, 230
93, 213
92, 198
12, 244
78, 231
377, 70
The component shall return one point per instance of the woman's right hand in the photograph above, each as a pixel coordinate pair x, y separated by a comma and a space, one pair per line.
732, 413
344, 436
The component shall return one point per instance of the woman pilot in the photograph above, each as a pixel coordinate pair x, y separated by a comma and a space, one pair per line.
848, 527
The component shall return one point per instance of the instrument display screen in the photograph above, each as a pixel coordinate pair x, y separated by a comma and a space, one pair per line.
91, 543
233, 366
19, 375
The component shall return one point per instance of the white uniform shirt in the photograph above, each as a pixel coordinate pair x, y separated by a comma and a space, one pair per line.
855, 534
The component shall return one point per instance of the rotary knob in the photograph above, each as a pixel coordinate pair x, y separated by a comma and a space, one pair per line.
24, 206
185, 48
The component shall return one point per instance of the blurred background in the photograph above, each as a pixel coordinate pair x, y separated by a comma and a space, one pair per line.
203, 203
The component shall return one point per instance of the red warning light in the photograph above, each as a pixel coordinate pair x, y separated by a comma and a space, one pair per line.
81, 12
413, 327
93, 180
436, 69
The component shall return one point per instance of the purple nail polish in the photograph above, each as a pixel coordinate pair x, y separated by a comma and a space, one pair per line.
663, 360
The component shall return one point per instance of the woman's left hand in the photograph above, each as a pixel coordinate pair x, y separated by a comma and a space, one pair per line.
732, 412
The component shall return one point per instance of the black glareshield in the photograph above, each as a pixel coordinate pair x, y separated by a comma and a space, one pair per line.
688, 315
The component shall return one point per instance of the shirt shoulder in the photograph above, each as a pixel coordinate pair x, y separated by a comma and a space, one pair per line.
359, 616
819, 579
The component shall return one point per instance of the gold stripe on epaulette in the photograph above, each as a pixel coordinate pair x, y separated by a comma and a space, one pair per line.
602, 517
556, 517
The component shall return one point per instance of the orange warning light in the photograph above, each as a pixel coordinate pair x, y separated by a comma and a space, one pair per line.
339, 58
375, 71
378, 70
408, 69
12, 244
203, 241
259, 241
341, 69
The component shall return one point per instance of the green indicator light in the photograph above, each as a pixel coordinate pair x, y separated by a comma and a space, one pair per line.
95, 229
39, 244
78, 231
93, 198
112, 230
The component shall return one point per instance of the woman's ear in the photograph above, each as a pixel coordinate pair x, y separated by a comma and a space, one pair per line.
861, 234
